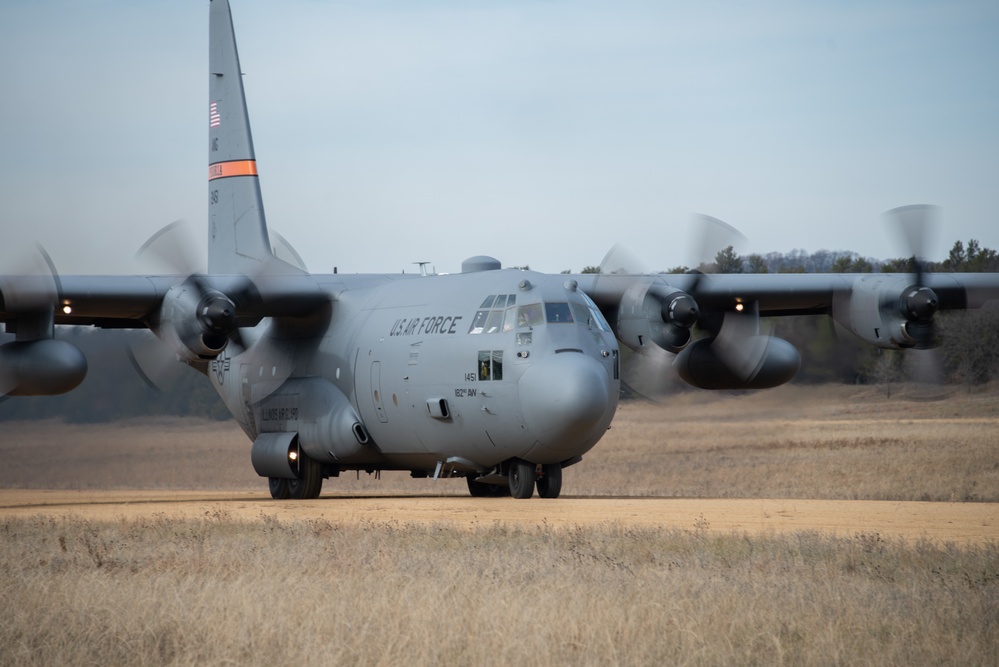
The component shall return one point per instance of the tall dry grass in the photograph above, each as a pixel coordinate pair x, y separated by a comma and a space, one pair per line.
215, 591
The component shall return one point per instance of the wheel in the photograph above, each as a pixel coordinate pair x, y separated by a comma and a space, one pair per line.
310, 479
279, 488
521, 476
550, 481
500, 490
479, 489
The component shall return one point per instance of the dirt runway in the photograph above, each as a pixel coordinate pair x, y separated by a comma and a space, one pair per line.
966, 523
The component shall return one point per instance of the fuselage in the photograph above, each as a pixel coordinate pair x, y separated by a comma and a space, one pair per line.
463, 371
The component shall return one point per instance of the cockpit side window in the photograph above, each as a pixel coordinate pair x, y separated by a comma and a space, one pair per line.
479, 322
510, 319
494, 322
596, 317
530, 315
495, 314
581, 313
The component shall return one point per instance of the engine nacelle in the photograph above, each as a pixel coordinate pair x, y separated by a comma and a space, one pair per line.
655, 312
704, 366
195, 323
41, 367
888, 311
328, 427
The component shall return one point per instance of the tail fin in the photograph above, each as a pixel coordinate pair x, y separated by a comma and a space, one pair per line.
238, 241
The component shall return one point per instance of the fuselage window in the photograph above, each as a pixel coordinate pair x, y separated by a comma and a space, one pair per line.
490, 365
558, 312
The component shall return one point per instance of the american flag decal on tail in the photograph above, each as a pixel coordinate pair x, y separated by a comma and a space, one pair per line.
214, 119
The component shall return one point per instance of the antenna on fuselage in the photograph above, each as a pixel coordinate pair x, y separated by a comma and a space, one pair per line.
423, 268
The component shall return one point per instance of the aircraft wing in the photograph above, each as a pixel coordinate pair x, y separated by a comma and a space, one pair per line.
135, 301
653, 314
796, 293
108, 301
195, 315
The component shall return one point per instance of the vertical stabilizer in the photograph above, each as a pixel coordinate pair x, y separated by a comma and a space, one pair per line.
237, 230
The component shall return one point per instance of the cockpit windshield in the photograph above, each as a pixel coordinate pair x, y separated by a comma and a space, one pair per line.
499, 313
557, 312
561, 312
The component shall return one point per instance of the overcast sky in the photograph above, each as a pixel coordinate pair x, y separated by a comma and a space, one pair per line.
537, 132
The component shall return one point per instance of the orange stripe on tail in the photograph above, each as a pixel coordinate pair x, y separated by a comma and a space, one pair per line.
234, 168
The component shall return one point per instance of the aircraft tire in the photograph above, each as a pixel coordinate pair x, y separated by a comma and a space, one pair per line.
478, 489
500, 490
521, 476
310, 480
279, 488
550, 482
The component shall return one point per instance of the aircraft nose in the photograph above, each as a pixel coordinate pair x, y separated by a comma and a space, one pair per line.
562, 398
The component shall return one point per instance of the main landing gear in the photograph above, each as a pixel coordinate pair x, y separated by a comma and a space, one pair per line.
521, 479
307, 486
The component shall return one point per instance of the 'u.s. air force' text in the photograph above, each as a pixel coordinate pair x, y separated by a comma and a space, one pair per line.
435, 324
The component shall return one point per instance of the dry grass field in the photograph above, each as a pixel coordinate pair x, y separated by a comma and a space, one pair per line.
214, 591
832, 442
216, 588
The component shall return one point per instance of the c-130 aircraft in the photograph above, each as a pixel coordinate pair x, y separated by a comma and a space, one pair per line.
504, 377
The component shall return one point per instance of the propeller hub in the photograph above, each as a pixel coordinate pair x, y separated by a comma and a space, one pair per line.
217, 313
681, 311
920, 303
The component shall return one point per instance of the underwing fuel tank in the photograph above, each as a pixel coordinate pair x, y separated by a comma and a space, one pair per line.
40, 367
775, 362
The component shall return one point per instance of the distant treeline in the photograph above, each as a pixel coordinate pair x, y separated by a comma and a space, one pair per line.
970, 258
968, 353
967, 259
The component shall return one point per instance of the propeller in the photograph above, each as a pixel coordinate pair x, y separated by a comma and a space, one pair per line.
154, 362
740, 338
32, 292
173, 248
619, 260
648, 373
913, 225
646, 370
919, 303
33, 286
710, 236
736, 337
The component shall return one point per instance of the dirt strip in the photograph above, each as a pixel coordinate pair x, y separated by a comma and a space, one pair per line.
966, 523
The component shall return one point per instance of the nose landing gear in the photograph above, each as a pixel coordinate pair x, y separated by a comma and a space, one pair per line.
521, 476
550, 480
